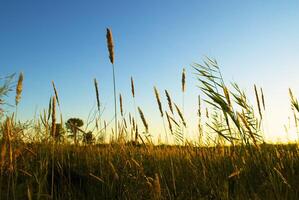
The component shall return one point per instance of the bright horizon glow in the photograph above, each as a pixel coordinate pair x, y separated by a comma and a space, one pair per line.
254, 43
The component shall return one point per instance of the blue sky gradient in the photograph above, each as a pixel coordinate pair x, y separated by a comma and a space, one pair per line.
253, 41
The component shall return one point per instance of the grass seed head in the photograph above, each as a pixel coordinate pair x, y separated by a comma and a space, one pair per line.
169, 101
145, 124
158, 101
110, 45
184, 80
121, 105
19, 88
97, 94
56, 93
132, 87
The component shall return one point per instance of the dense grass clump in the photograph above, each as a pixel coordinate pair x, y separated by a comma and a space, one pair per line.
162, 172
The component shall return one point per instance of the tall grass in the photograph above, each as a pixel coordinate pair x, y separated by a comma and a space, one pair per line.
110, 46
228, 160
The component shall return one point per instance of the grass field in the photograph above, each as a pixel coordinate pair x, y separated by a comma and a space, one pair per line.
117, 171
48, 158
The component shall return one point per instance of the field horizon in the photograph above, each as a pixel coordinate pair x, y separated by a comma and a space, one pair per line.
107, 100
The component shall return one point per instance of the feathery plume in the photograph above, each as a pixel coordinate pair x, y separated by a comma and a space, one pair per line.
121, 105
136, 133
50, 108
143, 119
169, 101
110, 45
132, 87
184, 80
97, 93
19, 88
158, 101
56, 93
169, 122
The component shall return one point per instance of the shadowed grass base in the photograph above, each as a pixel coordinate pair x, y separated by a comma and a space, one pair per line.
129, 172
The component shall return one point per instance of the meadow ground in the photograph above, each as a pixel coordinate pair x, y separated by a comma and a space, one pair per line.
126, 171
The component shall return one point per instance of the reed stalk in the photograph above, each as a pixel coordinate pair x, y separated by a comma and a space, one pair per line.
110, 45
19, 90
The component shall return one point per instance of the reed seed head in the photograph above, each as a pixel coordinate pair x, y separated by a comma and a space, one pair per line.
56, 93
169, 101
169, 122
97, 94
143, 119
184, 80
121, 105
132, 87
158, 101
19, 88
110, 45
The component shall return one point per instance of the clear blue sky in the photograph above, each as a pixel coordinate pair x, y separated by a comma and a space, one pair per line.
253, 41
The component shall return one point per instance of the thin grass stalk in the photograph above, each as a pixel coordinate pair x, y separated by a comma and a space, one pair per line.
295, 107
157, 188
135, 108
200, 132
53, 127
183, 97
183, 88
110, 46
3, 156
161, 111
53, 130
180, 115
121, 113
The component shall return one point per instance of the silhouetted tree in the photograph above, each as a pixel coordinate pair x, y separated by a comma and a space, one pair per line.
88, 138
73, 125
